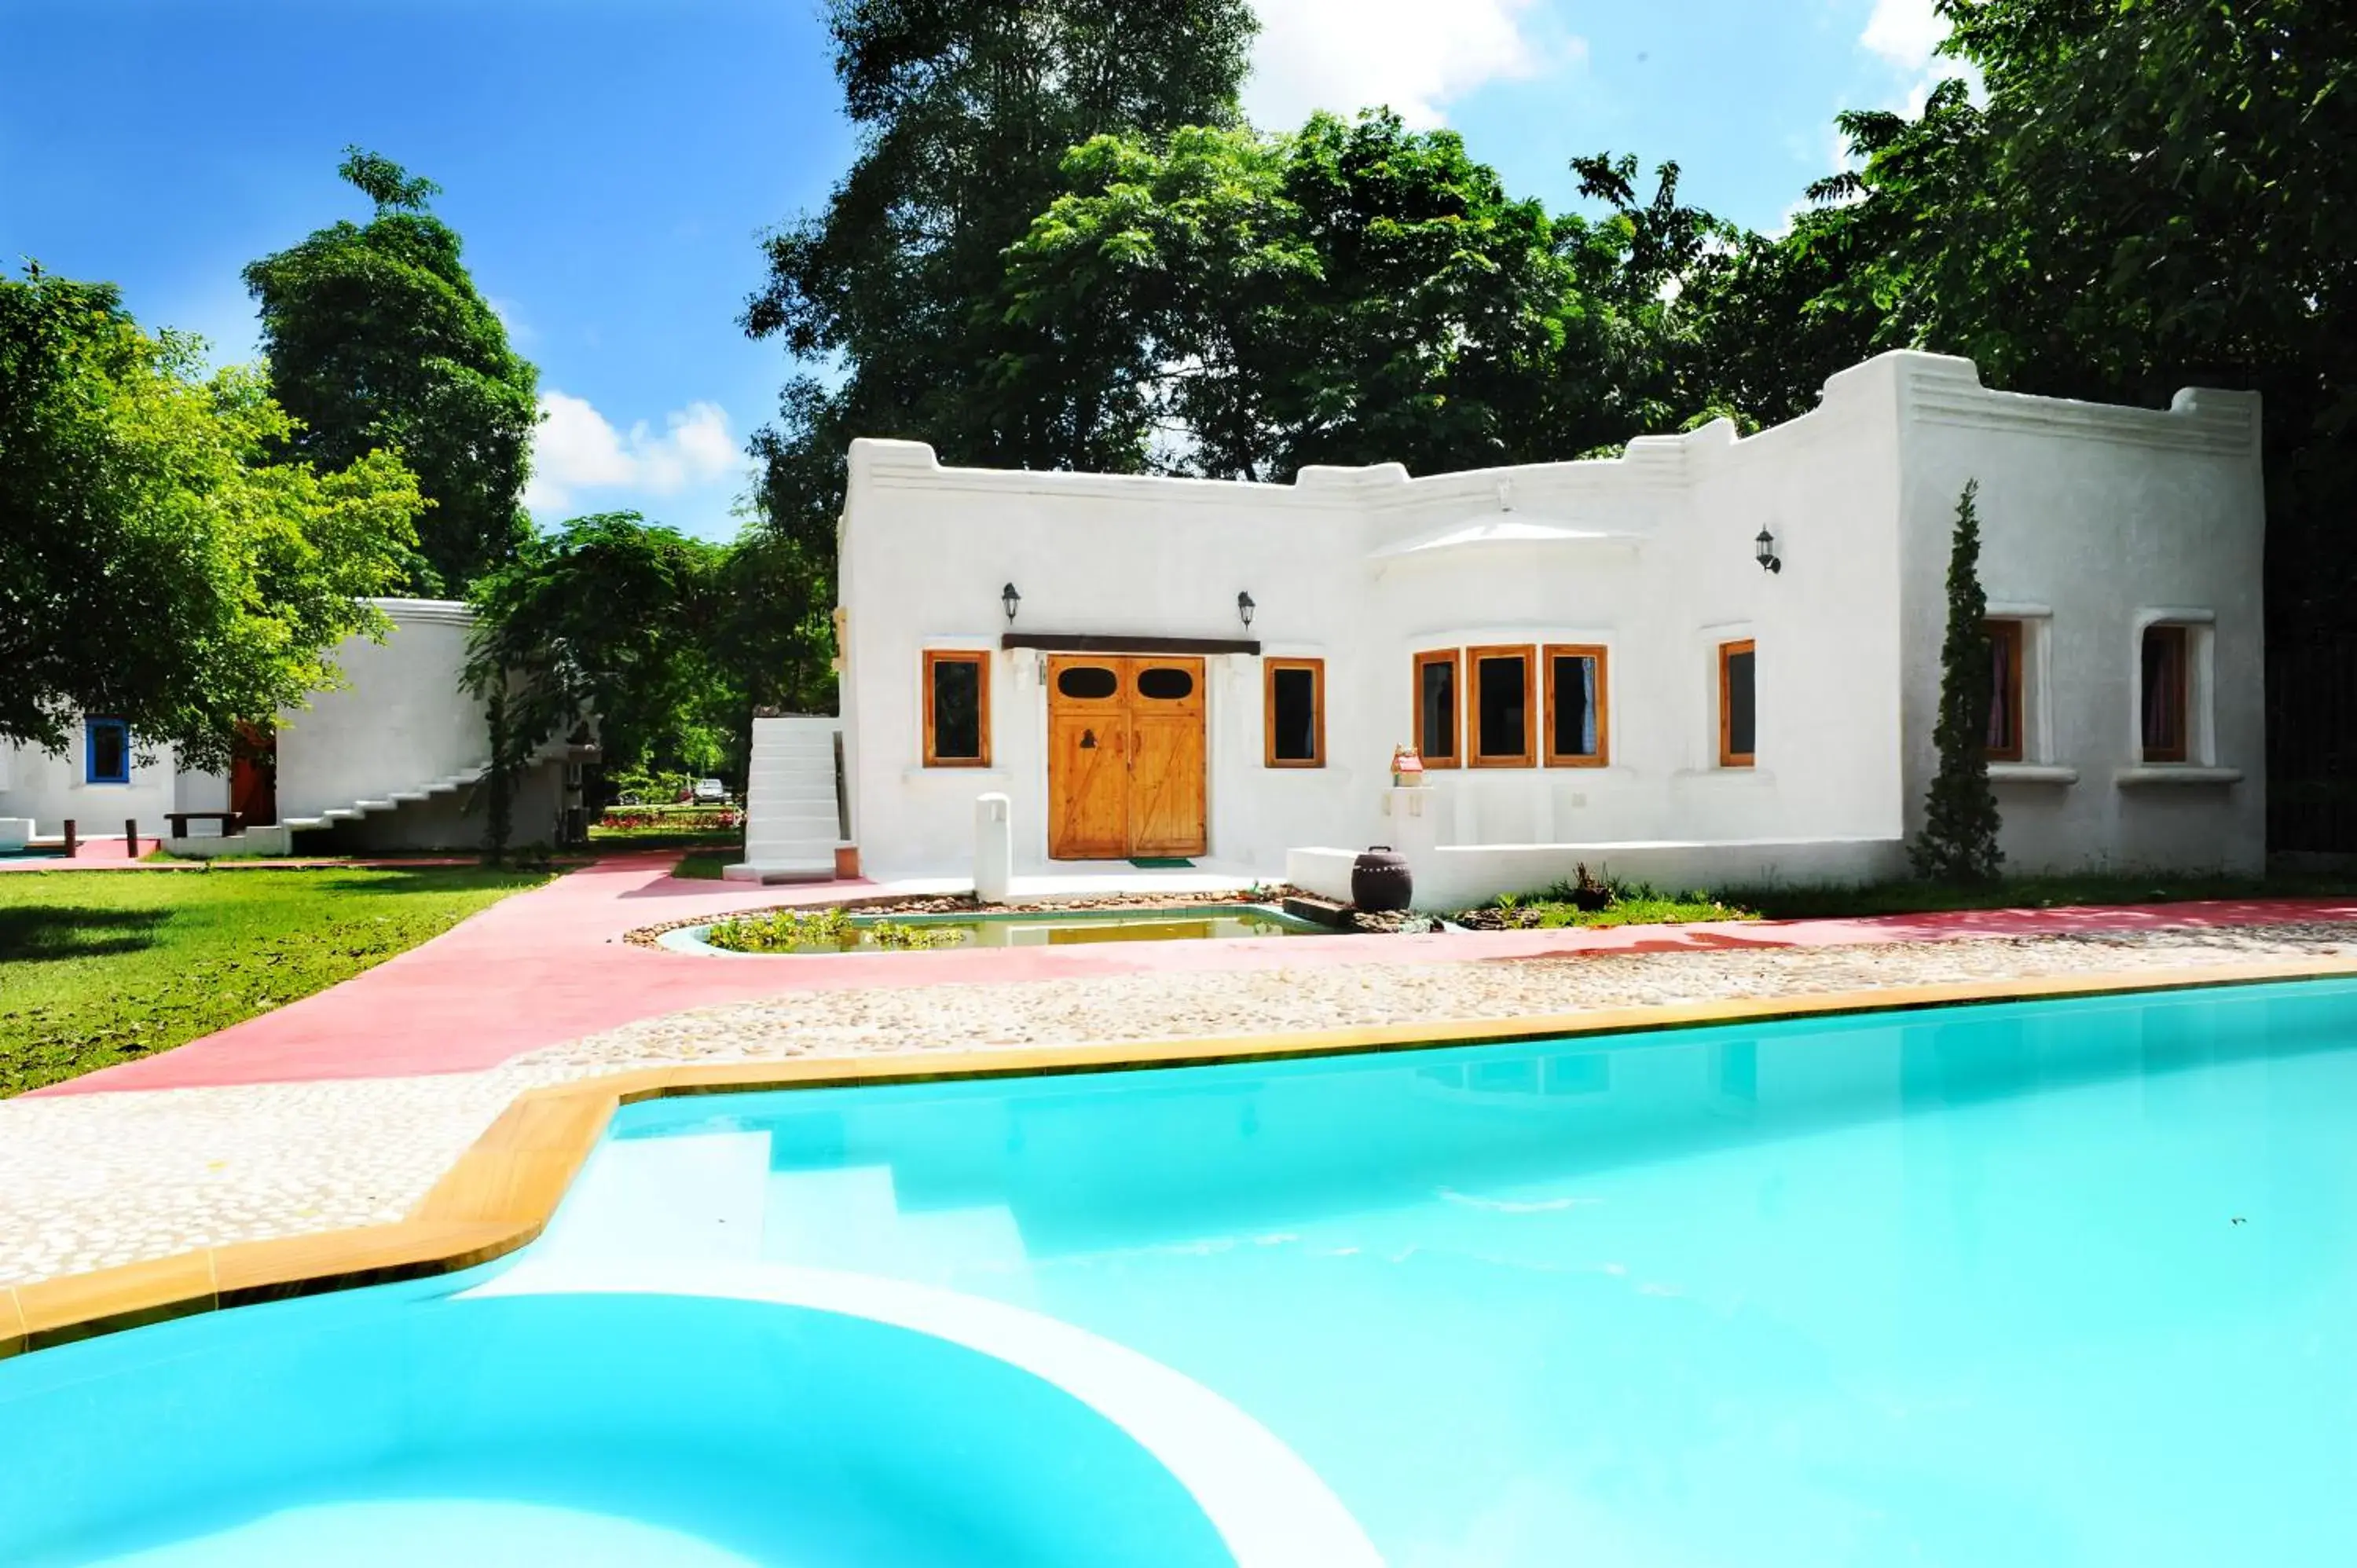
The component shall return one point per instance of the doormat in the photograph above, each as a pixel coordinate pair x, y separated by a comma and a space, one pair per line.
1159, 862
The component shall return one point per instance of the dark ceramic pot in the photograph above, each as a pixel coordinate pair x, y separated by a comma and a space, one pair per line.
1378, 880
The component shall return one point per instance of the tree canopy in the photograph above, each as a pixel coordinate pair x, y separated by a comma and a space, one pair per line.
965, 113
378, 339
160, 561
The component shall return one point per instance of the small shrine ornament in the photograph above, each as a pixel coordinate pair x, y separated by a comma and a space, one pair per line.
1407, 768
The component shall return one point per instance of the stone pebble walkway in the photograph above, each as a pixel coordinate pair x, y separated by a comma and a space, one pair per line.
94, 1180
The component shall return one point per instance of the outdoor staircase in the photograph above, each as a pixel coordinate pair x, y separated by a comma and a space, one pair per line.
393, 800
793, 821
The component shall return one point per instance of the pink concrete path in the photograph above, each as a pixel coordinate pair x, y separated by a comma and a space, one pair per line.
551, 965
110, 853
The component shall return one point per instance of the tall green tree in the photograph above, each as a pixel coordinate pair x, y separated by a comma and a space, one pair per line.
378, 339
1352, 293
883, 298
160, 561
2154, 194
1958, 840
603, 621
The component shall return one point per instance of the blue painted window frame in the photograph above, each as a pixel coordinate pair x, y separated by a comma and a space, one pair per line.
90, 730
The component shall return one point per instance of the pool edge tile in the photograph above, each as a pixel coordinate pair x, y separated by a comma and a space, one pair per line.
68, 1307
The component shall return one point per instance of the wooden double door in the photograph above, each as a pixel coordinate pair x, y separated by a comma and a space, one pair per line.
1124, 757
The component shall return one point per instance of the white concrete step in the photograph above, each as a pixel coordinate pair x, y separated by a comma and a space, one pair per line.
811, 851
765, 869
373, 805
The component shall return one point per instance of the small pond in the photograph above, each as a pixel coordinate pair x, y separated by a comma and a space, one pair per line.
1055, 927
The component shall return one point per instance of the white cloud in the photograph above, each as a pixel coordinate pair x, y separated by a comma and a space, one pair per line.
1905, 32
576, 449
1905, 35
1414, 55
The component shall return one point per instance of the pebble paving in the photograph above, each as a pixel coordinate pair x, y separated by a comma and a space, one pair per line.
91, 1181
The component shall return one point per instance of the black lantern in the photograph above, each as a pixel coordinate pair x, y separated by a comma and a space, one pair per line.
1244, 607
1763, 550
1011, 599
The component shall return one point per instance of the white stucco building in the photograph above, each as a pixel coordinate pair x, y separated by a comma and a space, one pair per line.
1593, 658
392, 759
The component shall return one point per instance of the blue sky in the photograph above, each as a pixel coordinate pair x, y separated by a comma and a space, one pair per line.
612, 162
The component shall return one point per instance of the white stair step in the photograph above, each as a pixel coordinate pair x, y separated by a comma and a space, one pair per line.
791, 848
372, 805
303, 824
341, 814
771, 870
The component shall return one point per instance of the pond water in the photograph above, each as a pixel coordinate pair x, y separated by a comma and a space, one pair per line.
1058, 928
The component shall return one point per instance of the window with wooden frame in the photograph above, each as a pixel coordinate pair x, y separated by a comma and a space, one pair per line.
957, 709
2163, 705
1576, 704
1502, 720
2006, 714
1438, 698
1739, 704
1293, 709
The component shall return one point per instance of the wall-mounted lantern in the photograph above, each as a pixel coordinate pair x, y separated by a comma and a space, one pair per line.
1763, 550
1011, 599
1244, 607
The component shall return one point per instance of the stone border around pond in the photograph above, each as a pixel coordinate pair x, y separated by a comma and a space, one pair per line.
690, 938
956, 905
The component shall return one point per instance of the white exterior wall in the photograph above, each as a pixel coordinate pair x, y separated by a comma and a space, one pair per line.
400, 724
2097, 521
1649, 555
51, 790
400, 721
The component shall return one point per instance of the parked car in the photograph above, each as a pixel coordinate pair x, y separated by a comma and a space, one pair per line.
710, 791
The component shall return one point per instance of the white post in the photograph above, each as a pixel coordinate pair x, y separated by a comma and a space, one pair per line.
993, 847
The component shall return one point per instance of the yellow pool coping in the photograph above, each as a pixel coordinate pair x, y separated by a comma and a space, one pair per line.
501, 1191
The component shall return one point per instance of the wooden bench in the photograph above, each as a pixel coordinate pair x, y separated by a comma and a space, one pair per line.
230, 821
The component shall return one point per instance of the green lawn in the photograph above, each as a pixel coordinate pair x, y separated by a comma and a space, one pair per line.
718, 840
99, 967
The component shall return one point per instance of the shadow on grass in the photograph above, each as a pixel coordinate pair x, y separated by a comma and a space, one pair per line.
52, 931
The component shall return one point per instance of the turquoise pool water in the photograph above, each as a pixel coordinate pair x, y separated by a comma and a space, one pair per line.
2054, 1284
2068, 1283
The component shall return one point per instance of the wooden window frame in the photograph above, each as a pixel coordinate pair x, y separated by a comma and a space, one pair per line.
1269, 670
1528, 756
981, 661
1596, 651
1727, 755
2181, 635
1455, 659
2014, 632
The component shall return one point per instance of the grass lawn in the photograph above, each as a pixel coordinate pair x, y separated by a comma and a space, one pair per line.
716, 840
99, 967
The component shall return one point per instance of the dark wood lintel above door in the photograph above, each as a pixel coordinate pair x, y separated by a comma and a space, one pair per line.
1099, 642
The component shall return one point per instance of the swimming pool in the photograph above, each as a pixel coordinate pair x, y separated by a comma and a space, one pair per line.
2053, 1283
